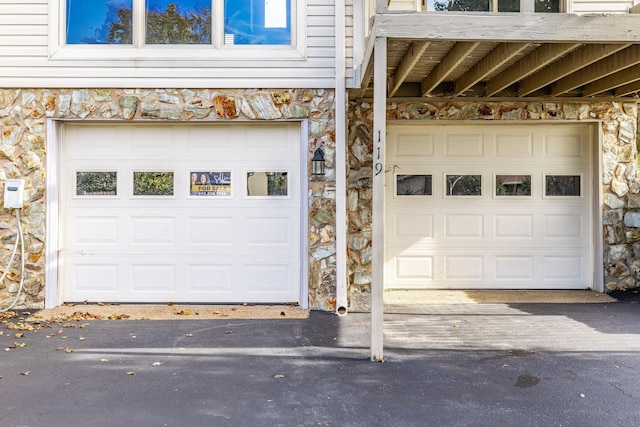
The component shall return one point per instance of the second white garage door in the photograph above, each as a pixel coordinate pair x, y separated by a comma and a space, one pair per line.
489, 206
198, 213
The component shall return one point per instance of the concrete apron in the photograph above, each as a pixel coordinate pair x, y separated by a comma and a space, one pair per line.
419, 297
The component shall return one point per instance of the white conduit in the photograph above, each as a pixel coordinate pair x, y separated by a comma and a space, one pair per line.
19, 239
340, 161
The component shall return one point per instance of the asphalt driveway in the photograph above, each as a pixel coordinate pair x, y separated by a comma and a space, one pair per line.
445, 365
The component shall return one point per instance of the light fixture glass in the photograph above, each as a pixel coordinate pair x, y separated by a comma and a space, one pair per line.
317, 163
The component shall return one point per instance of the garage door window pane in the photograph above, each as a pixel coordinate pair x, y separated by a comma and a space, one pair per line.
210, 184
413, 185
513, 185
90, 183
153, 183
464, 185
267, 183
562, 185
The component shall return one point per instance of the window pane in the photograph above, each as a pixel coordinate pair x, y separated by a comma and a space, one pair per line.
99, 22
215, 184
153, 183
508, 5
413, 185
562, 185
460, 5
513, 185
548, 6
178, 22
250, 22
267, 183
96, 183
464, 185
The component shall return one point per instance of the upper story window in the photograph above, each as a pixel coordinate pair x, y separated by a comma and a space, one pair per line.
178, 22
541, 6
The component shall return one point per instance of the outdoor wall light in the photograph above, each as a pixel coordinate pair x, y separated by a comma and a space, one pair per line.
317, 163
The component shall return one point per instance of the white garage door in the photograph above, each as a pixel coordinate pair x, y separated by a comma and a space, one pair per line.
489, 206
135, 228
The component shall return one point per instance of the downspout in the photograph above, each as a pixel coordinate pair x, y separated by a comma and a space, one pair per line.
340, 161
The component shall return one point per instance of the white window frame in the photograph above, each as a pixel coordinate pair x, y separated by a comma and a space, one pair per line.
138, 51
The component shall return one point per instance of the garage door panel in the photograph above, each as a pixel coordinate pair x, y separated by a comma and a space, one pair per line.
94, 231
464, 267
561, 267
417, 267
564, 145
267, 279
100, 277
412, 145
514, 226
152, 277
183, 247
564, 226
146, 230
463, 226
514, 145
514, 267
210, 278
494, 240
464, 145
215, 231
412, 227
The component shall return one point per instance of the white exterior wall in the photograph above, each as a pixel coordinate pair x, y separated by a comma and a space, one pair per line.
28, 60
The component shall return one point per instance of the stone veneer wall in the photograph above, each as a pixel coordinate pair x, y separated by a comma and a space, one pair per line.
23, 114
620, 180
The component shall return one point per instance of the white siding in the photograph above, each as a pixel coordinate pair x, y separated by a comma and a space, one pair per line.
601, 6
25, 58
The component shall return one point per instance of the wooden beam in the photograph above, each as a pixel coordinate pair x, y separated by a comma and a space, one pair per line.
528, 65
506, 27
413, 55
612, 64
449, 63
502, 54
621, 78
576, 60
627, 89
366, 79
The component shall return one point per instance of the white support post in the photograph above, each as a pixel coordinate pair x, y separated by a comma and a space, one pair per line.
377, 219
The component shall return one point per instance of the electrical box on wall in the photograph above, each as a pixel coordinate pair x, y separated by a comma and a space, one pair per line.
13, 193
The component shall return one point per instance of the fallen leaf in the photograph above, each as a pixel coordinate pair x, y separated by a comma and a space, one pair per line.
157, 363
227, 332
68, 350
278, 376
101, 304
169, 303
582, 396
25, 373
130, 373
104, 360
282, 313
19, 335
59, 348
81, 339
